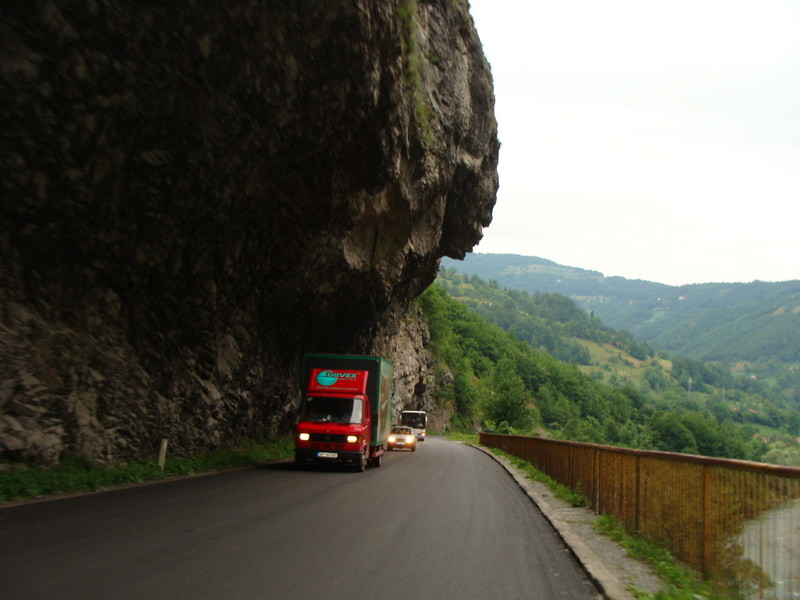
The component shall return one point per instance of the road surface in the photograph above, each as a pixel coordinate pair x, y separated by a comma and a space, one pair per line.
444, 522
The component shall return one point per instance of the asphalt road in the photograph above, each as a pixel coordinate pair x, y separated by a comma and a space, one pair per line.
444, 522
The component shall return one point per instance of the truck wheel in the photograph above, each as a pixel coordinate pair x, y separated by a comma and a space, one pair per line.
376, 462
362, 464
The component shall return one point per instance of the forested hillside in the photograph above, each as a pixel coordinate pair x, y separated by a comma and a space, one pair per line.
751, 327
500, 348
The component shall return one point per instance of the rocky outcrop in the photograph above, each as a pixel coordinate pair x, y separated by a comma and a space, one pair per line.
194, 194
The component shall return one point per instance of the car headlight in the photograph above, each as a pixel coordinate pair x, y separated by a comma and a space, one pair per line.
304, 437
352, 439
392, 439
409, 439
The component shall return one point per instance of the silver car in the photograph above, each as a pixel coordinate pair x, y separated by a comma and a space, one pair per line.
402, 437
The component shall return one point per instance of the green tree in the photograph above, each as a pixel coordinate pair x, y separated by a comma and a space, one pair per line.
705, 432
466, 393
556, 408
671, 435
509, 400
783, 452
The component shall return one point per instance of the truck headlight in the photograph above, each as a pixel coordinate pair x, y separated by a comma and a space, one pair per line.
352, 439
304, 437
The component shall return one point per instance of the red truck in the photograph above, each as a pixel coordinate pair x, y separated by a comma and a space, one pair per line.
345, 411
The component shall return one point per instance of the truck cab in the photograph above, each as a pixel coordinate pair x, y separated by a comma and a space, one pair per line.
335, 421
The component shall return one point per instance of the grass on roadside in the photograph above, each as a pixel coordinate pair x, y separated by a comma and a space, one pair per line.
562, 492
79, 475
458, 436
682, 583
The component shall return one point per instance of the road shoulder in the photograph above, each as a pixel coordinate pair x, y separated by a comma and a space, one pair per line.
606, 562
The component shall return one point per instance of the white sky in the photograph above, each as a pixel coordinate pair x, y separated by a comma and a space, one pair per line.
651, 140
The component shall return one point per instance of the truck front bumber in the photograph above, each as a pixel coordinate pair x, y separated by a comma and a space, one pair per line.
326, 444
342, 457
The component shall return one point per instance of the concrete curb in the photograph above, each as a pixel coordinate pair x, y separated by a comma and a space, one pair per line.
607, 583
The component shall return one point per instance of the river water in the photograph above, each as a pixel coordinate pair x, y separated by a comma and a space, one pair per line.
773, 543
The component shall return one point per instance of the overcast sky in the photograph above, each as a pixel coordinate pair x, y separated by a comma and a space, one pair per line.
651, 140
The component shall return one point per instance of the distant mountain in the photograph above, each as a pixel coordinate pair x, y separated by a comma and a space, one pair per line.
588, 382
756, 323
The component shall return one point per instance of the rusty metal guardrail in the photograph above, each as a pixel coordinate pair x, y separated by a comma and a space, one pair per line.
737, 523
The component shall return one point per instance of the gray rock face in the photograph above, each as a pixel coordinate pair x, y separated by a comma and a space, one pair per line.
193, 195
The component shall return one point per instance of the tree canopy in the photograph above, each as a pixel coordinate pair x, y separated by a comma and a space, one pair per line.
499, 351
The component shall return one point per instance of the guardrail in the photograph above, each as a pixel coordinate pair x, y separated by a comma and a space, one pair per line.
737, 523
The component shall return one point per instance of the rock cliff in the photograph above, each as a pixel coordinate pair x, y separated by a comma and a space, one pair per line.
194, 194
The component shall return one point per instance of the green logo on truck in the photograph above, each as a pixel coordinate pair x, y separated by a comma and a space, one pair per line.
331, 377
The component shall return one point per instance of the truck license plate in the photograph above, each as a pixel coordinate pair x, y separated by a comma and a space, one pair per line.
328, 454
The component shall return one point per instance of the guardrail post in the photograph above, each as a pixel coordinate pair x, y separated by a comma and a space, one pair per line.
637, 494
708, 511
597, 480
162, 454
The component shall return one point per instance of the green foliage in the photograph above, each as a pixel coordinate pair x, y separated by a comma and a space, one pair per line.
549, 322
512, 385
412, 62
784, 452
471, 348
755, 323
78, 475
671, 435
509, 401
682, 583
458, 436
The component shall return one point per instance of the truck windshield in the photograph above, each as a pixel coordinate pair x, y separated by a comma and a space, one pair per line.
323, 409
